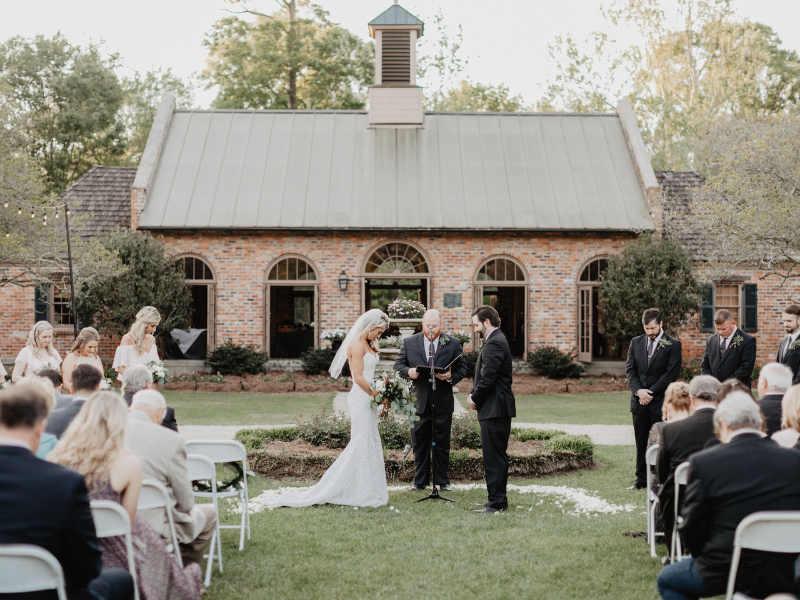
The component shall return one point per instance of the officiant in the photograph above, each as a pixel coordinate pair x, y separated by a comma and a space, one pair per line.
415, 352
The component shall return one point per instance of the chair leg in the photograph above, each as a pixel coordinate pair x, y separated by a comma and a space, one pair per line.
210, 559
219, 546
242, 521
651, 526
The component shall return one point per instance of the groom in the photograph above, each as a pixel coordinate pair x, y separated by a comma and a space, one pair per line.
416, 350
492, 397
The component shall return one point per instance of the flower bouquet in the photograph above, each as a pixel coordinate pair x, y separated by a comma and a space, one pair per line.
160, 373
106, 383
406, 309
394, 393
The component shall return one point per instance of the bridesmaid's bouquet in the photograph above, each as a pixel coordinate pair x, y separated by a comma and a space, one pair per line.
394, 393
106, 383
160, 373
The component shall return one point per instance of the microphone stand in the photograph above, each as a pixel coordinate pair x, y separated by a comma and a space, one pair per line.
434, 495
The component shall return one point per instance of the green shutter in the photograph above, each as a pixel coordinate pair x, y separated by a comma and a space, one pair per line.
40, 304
750, 307
707, 312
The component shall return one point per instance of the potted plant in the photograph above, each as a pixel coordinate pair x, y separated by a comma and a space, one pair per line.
389, 347
406, 314
462, 336
335, 336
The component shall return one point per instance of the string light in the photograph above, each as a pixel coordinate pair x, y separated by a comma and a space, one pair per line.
32, 215
5, 203
19, 210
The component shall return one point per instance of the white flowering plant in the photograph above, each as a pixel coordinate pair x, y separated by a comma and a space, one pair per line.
403, 308
106, 383
393, 341
334, 334
394, 393
160, 373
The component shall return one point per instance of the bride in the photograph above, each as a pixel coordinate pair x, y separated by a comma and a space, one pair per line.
358, 477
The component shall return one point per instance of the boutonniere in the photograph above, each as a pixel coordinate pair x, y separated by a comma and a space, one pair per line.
737, 341
794, 345
664, 342
443, 340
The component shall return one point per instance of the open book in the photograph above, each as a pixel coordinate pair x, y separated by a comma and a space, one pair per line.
426, 370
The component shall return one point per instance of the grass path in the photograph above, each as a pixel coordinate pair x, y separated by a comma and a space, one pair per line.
243, 408
579, 409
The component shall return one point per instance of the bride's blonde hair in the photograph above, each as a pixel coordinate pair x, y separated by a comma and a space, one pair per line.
95, 439
33, 337
147, 316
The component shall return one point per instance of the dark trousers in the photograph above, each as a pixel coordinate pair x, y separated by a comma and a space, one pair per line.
112, 584
642, 423
421, 438
494, 439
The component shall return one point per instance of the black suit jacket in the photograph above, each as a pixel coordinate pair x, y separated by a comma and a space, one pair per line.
790, 358
59, 420
727, 483
62, 400
736, 362
771, 409
664, 368
47, 505
412, 354
491, 388
169, 417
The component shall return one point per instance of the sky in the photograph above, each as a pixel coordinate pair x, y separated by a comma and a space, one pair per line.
505, 42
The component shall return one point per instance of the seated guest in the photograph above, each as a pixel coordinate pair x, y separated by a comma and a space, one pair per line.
773, 382
47, 441
138, 378
732, 385
744, 474
58, 520
54, 376
681, 440
163, 456
677, 406
85, 382
790, 419
94, 446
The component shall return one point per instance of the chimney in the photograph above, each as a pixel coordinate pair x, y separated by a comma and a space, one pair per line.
395, 100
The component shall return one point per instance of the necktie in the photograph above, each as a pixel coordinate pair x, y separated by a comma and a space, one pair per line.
650, 348
724, 345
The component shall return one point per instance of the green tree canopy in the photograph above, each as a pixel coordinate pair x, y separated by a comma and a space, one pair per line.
478, 97
651, 272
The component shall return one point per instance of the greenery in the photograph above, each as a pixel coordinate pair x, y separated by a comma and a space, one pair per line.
316, 361
549, 361
243, 408
403, 308
579, 409
756, 371
252, 439
542, 435
465, 431
690, 369
331, 430
230, 358
150, 279
394, 435
651, 272
392, 341
478, 97
470, 360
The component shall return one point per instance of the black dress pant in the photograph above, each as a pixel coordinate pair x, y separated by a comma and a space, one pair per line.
494, 439
642, 424
112, 584
421, 438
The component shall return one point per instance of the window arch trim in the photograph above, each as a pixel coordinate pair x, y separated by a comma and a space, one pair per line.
277, 260
203, 260
507, 257
585, 265
428, 273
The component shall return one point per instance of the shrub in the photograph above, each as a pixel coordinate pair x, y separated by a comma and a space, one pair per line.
466, 432
579, 444
316, 362
323, 429
471, 359
233, 359
253, 439
394, 434
756, 371
527, 435
549, 361
690, 369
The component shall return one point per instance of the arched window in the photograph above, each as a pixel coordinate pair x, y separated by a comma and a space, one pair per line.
501, 282
396, 258
591, 341
291, 302
396, 270
201, 338
592, 271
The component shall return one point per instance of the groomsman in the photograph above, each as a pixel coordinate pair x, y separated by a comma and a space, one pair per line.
789, 351
730, 353
654, 361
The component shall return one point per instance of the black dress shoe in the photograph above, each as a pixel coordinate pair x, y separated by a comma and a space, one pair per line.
486, 510
416, 488
446, 488
481, 504
637, 486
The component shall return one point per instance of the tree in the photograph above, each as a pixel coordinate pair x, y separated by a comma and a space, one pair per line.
651, 272
679, 79
478, 97
282, 60
151, 279
72, 99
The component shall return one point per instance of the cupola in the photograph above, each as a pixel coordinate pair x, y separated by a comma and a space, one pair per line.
395, 99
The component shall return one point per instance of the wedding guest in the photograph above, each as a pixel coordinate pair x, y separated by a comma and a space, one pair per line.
47, 441
774, 381
140, 378
37, 354
46, 504
790, 419
54, 376
789, 350
163, 457
730, 386
94, 446
746, 473
85, 381
138, 346
677, 406
83, 352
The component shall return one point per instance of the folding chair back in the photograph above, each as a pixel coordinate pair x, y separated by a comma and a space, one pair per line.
652, 500
201, 468
27, 568
111, 520
680, 478
768, 531
155, 496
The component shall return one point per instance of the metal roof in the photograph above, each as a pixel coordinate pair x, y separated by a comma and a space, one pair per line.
395, 15
249, 169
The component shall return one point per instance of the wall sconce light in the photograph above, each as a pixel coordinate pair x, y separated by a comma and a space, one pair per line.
343, 280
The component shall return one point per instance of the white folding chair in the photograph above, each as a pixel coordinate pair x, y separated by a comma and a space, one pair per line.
680, 478
155, 496
111, 520
226, 451
652, 501
27, 568
767, 531
201, 468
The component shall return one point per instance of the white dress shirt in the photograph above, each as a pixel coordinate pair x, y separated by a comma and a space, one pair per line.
728, 339
427, 344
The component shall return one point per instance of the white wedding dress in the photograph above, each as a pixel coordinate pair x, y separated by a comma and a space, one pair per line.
358, 477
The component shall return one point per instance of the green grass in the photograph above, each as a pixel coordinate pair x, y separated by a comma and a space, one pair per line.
243, 408
581, 409
442, 551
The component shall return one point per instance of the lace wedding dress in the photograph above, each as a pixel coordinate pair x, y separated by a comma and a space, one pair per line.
358, 477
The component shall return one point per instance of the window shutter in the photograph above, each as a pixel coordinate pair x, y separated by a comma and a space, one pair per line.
707, 312
750, 321
40, 304
396, 57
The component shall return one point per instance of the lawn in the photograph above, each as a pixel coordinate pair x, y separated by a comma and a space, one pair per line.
242, 408
442, 551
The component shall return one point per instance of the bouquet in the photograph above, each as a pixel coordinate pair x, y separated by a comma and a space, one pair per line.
160, 373
394, 393
406, 309
106, 383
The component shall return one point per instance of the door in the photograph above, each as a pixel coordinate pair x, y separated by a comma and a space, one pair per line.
585, 323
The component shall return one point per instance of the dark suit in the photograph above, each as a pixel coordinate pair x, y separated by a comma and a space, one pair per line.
491, 393
679, 441
726, 484
169, 417
412, 354
655, 375
47, 505
790, 358
770, 406
736, 362
62, 400
59, 420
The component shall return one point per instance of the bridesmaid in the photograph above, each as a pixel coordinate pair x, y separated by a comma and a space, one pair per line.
83, 352
38, 353
138, 346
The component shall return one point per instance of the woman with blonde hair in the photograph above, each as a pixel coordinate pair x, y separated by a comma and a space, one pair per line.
789, 436
37, 354
677, 406
138, 346
83, 351
94, 446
